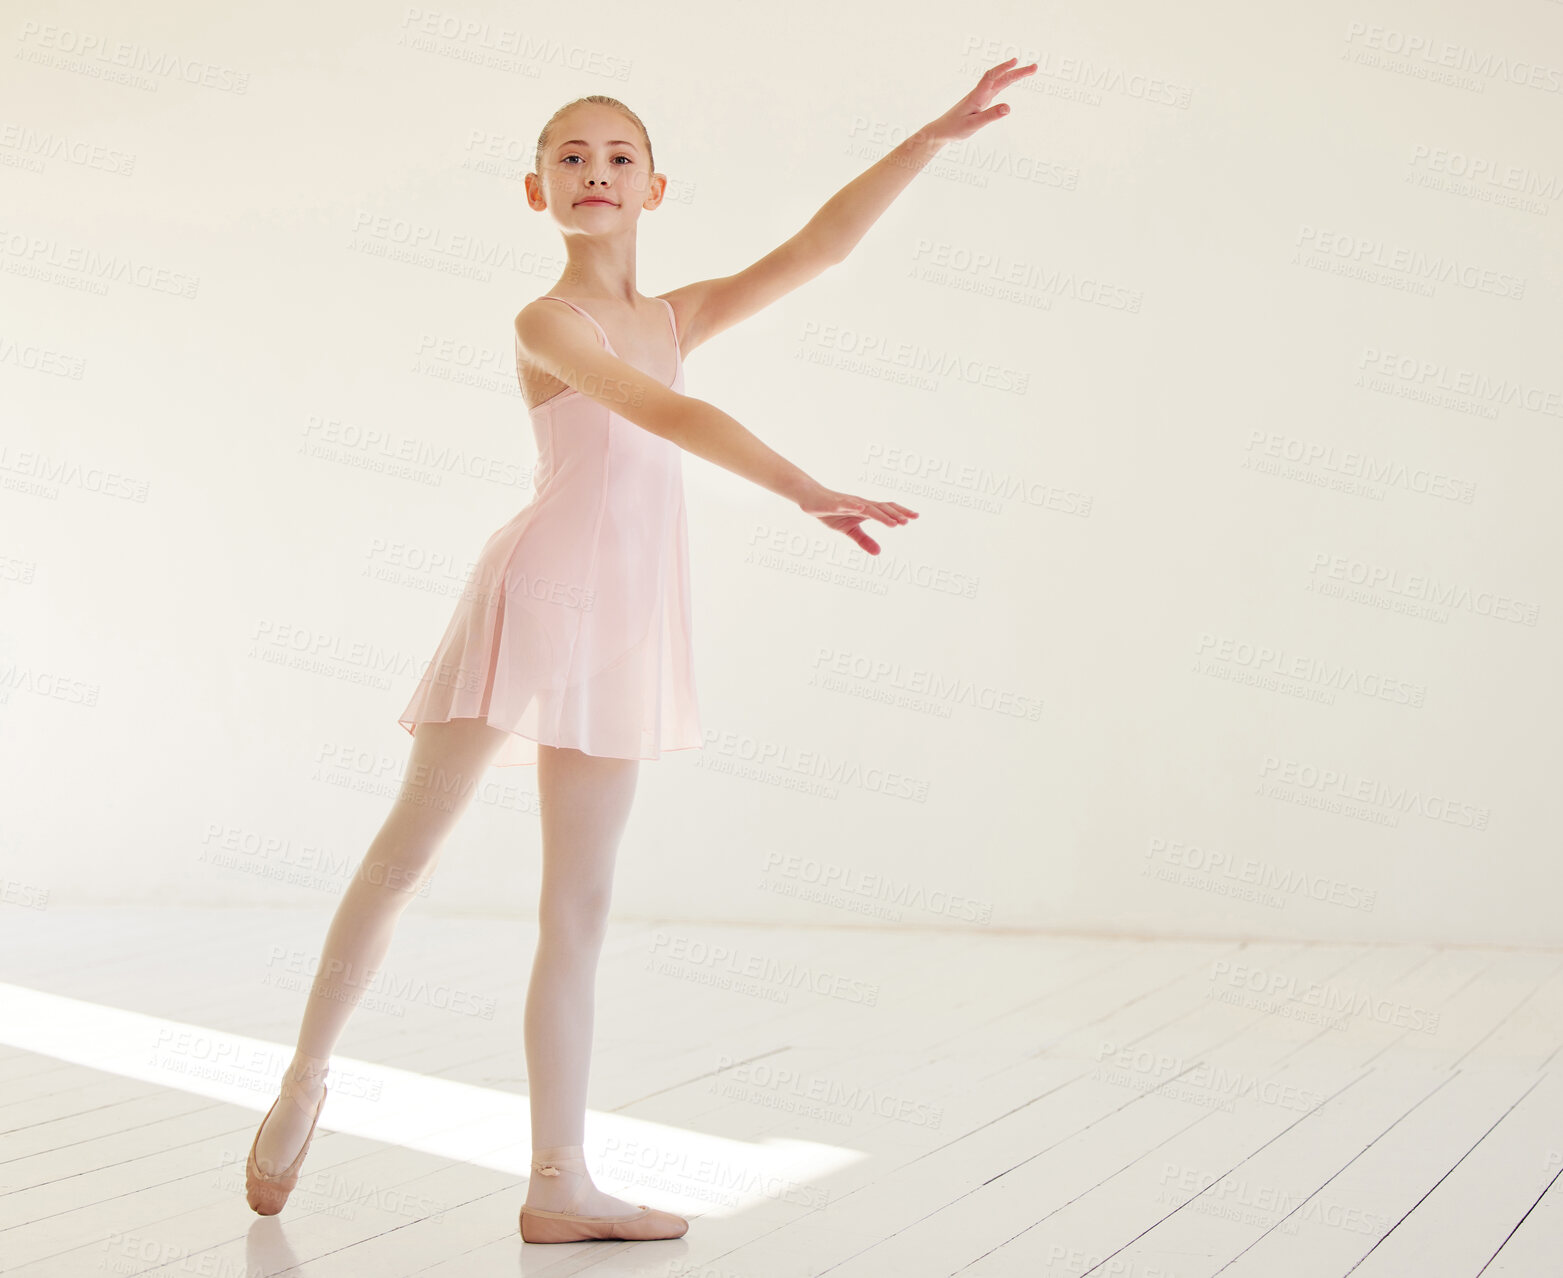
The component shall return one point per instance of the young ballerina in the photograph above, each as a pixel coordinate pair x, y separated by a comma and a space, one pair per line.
570, 648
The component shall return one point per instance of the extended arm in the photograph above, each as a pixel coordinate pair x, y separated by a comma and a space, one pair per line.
569, 350
849, 213
708, 307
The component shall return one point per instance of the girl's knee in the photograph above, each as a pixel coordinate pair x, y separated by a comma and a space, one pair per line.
398, 877
575, 916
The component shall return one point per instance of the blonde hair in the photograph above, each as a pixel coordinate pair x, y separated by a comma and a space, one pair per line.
597, 99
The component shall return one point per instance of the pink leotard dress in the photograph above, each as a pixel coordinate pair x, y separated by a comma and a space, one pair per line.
573, 628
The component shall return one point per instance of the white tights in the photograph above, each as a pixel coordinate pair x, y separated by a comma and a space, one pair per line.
585, 803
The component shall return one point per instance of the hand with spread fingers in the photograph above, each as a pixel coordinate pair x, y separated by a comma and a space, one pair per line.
846, 513
972, 112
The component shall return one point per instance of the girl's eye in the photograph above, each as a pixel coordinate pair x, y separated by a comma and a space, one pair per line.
575, 156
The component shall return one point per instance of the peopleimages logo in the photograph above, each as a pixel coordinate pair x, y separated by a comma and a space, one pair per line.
1423, 587
1219, 654
1439, 382
672, 953
1416, 46
1366, 251
1212, 866
1332, 999
1348, 787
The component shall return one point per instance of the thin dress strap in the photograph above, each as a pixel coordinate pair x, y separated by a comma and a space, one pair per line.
602, 332
678, 350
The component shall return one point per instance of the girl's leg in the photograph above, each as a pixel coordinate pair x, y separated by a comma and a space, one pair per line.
445, 763
585, 801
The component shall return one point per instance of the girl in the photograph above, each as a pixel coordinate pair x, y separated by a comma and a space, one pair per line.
570, 648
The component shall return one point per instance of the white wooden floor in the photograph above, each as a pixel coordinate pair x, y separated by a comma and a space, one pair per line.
843, 1102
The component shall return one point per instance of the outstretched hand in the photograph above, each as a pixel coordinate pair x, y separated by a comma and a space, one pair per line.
846, 513
972, 112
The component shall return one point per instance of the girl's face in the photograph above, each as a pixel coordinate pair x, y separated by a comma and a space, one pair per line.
595, 172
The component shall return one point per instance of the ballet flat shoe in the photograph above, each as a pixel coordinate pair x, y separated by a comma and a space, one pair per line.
266, 1193
538, 1226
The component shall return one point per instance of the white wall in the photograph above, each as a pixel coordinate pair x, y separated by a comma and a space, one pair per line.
1283, 315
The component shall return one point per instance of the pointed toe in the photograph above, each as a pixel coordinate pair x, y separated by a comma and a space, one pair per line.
265, 1193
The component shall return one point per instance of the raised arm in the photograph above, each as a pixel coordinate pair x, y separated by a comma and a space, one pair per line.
567, 347
708, 307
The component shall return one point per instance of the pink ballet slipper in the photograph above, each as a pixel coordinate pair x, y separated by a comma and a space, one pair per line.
267, 1193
